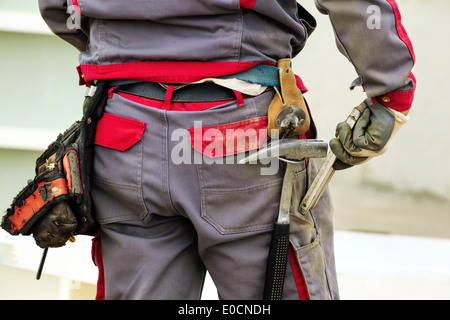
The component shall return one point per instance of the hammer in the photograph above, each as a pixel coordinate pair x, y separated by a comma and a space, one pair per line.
292, 152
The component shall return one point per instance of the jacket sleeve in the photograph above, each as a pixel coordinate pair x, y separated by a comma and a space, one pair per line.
64, 21
370, 34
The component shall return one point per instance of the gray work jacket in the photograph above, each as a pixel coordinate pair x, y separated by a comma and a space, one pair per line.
185, 41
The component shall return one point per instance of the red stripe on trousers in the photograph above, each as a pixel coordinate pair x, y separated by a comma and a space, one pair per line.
97, 257
298, 275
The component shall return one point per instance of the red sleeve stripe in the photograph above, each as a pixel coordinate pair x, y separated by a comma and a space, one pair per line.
401, 30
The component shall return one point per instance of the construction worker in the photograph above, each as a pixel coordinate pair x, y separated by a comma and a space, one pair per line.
170, 206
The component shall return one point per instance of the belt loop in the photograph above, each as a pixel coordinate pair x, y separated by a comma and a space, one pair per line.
239, 98
111, 91
168, 97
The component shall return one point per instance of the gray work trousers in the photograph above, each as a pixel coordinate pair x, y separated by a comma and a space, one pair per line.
168, 214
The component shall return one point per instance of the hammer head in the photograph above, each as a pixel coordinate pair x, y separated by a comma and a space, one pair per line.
290, 149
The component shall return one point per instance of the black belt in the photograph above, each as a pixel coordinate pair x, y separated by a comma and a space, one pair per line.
202, 92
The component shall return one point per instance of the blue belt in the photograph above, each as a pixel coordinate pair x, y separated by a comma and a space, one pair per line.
262, 74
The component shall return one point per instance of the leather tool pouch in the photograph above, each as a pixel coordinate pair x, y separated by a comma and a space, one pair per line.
57, 179
289, 96
63, 173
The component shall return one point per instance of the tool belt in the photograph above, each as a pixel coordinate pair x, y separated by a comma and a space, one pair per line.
288, 97
62, 174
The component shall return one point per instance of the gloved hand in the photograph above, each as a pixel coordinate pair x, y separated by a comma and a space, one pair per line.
55, 228
369, 138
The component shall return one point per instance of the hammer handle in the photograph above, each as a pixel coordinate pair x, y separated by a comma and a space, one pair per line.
326, 171
277, 262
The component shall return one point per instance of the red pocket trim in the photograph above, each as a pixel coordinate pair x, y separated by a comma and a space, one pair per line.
231, 138
248, 4
118, 133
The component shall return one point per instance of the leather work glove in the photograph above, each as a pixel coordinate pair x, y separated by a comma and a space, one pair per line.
369, 138
55, 228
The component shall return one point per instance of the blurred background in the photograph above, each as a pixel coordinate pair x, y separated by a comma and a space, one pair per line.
392, 215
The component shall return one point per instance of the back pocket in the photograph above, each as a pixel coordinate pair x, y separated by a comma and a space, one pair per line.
236, 198
117, 178
118, 132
